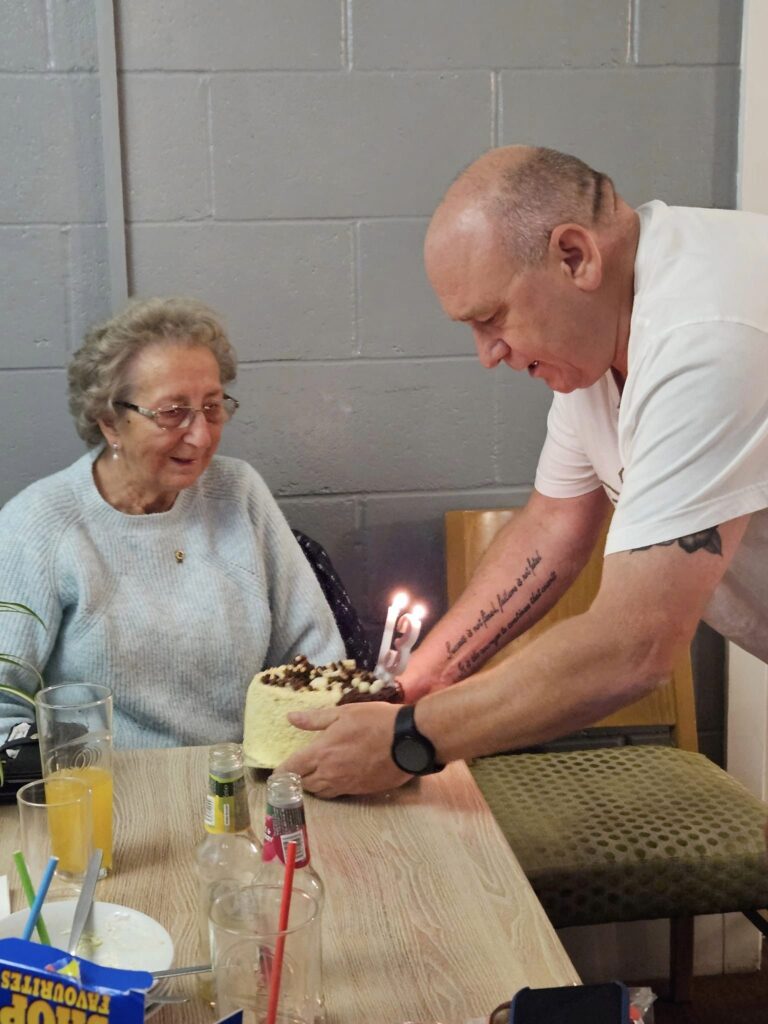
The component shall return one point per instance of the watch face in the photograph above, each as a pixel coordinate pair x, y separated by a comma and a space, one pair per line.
411, 755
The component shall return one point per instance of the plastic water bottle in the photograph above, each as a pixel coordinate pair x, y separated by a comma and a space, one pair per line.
229, 856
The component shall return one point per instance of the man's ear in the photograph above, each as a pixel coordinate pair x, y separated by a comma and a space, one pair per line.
575, 250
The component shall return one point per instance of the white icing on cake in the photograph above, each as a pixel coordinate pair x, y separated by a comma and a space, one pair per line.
268, 736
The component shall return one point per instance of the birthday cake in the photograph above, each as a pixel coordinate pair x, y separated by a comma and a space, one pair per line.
268, 736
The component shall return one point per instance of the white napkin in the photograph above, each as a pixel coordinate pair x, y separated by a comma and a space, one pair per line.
5, 897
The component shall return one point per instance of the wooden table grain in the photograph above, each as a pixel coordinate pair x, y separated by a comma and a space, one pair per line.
428, 915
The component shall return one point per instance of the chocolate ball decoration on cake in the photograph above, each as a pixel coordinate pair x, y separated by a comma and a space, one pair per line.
269, 738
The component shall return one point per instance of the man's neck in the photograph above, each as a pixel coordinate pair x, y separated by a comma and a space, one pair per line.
626, 244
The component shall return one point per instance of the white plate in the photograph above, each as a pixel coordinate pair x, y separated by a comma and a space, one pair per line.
5, 897
118, 936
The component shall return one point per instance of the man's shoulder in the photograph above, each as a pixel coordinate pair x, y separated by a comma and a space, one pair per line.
696, 266
660, 216
705, 242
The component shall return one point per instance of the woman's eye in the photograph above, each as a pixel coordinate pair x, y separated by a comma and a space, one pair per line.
172, 415
213, 412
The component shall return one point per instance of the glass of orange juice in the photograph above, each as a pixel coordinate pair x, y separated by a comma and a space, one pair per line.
55, 818
74, 722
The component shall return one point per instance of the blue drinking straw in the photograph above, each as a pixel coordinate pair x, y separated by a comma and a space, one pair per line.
29, 892
42, 892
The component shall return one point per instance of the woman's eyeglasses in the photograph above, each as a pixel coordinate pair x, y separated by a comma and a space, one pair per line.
179, 417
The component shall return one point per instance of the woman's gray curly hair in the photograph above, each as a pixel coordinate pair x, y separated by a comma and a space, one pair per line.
99, 371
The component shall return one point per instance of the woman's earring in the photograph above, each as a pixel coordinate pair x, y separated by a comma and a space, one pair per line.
115, 450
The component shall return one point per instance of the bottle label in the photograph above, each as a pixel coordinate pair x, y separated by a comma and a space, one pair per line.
226, 805
283, 825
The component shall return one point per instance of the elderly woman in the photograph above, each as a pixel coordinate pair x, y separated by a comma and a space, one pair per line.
159, 568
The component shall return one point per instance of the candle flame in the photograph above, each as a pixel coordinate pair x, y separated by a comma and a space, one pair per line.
400, 600
419, 611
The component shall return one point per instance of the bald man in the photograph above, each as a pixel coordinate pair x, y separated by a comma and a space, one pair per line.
651, 328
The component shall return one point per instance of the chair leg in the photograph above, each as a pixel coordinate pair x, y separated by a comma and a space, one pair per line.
681, 959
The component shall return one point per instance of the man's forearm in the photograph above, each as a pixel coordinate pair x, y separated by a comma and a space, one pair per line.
530, 564
495, 609
569, 678
644, 616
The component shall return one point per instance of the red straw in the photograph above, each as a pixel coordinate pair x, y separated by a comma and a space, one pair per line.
285, 906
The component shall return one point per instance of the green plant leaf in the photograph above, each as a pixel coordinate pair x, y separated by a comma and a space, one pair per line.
13, 606
11, 659
18, 694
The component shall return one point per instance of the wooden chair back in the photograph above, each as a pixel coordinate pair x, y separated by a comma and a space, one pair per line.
469, 532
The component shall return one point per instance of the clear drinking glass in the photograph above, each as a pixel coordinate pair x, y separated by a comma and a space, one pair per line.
55, 818
244, 937
74, 722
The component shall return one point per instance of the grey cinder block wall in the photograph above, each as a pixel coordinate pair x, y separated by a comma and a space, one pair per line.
281, 160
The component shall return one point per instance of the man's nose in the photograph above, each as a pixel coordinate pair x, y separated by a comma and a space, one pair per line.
491, 351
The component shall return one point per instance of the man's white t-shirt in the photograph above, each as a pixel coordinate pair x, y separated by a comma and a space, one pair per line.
685, 447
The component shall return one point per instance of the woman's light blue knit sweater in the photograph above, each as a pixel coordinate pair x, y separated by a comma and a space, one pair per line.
177, 641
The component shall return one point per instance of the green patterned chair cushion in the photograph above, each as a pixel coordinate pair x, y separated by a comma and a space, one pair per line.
629, 833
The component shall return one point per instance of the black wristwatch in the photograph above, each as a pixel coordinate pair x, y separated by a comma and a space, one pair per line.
411, 751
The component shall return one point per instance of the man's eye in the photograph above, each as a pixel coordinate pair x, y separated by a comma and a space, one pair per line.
485, 320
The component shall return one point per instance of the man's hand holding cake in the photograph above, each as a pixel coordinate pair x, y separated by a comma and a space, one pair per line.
352, 710
348, 707
331, 765
285, 701
367, 748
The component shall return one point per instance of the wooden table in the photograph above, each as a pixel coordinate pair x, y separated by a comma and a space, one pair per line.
428, 916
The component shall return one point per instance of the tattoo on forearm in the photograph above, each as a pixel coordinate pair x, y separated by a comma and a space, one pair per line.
707, 540
497, 606
468, 664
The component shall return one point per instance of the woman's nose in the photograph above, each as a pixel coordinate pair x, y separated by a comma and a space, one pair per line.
199, 430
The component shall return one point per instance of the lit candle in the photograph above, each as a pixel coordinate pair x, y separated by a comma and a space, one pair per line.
411, 627
399, 601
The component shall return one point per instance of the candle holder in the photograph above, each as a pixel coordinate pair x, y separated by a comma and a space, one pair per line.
401, 631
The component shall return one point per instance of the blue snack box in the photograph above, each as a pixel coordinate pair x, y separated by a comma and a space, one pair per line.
32, 993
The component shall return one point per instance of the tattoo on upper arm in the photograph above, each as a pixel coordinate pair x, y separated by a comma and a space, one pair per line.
706, 540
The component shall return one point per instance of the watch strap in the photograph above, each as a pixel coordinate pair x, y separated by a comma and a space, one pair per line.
406, 729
